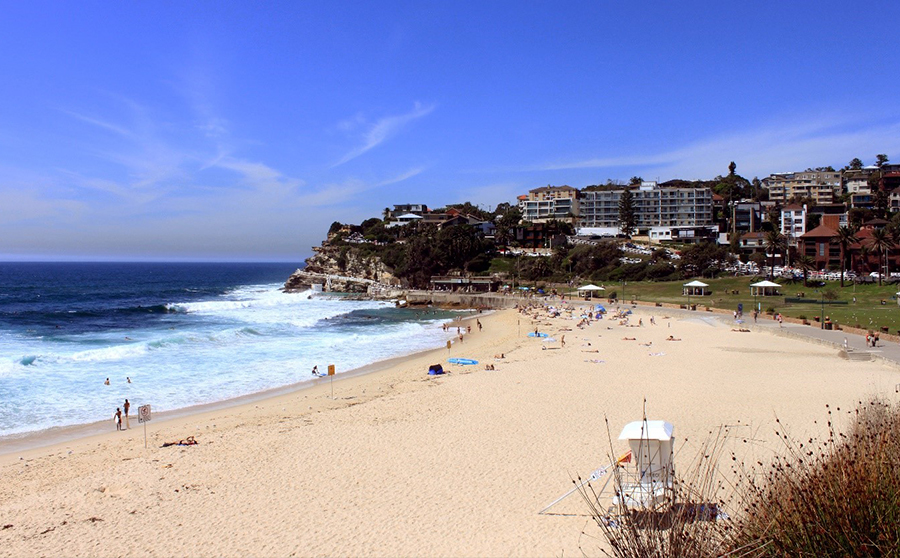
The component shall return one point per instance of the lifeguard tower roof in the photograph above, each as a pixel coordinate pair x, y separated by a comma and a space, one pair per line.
647, 430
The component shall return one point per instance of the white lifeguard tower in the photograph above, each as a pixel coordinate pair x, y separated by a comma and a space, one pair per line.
644, 476
649, 484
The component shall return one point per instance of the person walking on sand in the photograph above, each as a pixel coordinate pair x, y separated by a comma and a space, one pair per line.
125, 407
118, 419
562, 341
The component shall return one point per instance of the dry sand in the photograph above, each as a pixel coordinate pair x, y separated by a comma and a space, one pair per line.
403, 464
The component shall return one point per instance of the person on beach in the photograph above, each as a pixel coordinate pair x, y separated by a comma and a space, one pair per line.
479, 324
315, 370
118, 418
562, 341
128, 379
125, 407
106, 383
670, 338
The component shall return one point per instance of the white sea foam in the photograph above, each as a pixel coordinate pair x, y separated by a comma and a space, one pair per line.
251, 339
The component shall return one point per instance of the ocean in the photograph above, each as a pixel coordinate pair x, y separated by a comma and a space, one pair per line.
184, 333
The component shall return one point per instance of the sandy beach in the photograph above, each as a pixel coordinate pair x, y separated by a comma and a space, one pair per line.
400, 463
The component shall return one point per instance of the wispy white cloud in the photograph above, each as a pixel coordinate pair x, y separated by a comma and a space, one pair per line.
401, 177
121, 130
259, 176
382, 130
774, 148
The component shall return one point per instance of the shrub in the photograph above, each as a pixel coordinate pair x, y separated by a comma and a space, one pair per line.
834, 497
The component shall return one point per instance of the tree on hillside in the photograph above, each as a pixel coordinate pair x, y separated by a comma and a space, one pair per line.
731, 168
846, 237
774, 241
635, 181
881, 201
756, 184
703, 259
468, 208
386, 213
855, 164
880, 160
505, 225
627, 216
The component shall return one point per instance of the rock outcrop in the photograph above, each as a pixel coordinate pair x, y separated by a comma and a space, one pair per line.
345, 269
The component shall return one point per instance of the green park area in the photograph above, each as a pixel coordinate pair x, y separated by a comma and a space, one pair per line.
869, 306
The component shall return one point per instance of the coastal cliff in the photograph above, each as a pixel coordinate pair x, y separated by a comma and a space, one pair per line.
345, 269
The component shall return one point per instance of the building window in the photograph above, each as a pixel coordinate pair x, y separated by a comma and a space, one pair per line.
821, 249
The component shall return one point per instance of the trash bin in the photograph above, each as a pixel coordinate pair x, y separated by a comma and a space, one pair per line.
827, 325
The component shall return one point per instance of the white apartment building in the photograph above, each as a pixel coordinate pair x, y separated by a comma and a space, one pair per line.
793, 222
857, 181
820, 186
550, 202
654, 206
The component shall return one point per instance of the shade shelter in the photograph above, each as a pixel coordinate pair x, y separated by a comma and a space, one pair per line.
764, 288
590, 289
694, 288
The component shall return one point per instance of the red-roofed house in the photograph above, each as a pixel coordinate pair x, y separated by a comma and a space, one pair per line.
818, 245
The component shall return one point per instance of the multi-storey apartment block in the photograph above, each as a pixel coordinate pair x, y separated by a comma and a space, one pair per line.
820, 186
793, 222
550, 202
654, 206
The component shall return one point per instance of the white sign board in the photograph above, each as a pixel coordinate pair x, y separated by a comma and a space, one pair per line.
143, 413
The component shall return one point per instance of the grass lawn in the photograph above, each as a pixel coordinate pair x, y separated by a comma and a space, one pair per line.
863, 302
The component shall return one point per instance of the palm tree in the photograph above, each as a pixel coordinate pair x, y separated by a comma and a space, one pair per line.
806, 263
774, 241
882, 243
864, 252
846, 236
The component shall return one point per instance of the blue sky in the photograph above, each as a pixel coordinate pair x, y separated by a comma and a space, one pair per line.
241, 130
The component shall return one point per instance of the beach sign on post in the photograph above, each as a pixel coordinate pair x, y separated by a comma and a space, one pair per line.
331, 375
144, 417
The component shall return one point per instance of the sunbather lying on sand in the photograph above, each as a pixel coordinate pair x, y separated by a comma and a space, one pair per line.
670, 338
189, 441
629, 339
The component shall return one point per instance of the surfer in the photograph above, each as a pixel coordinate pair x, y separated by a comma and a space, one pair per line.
315, 370
106, 383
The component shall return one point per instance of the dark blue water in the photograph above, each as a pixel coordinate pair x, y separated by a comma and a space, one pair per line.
43, 298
